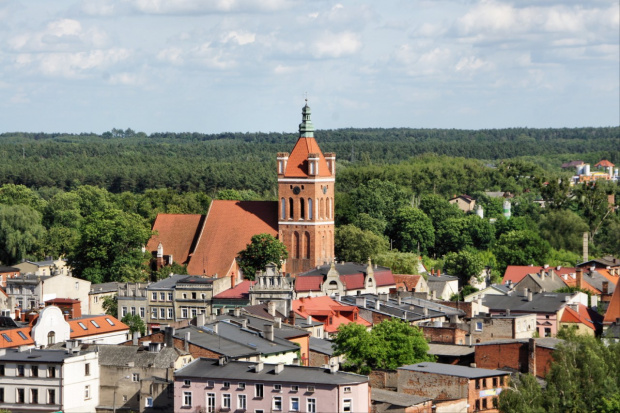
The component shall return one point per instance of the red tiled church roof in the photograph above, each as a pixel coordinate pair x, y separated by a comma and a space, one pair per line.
297, 165
239, 292
176, 232
228, 228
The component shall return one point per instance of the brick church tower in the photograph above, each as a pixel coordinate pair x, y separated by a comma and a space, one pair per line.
306, 180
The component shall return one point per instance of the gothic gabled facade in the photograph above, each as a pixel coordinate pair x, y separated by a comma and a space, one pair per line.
306, 180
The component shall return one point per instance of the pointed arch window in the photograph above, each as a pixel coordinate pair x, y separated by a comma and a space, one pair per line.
302, 209
296, 245
291, 208
283, 208
306, 245
309, 208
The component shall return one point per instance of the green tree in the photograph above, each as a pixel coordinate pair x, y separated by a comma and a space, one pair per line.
563, 229
355, 245
520, 248
389, 345
135, 323
262, 250
11, 194
367, 223
166, 270
110, 247
110, 305
379, 199
399, 262
464, 264
438, 209
20, 232
412, 230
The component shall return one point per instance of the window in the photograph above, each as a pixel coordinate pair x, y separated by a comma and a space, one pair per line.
77, 285
7, 338
51, 372
277, 403
210, 402
1, 369
347, 389
184, 296
479, 326
123, 311
154, 313
135, 377
494, 381
93, 322
133, 310
162, 313
242, 403
20, 396
294, 388
124, 397
226, 401
22, 335
226, 384
309, 208
142, 313
346, 405
34, 371
547, 332
183, 312
258, 390
310, 389
210, 384
87, 369
194, 312
277, 387
169, 296
96, 299
311, 405
20, 370
187, 398
294, 404
241, 386
484, 403
302, 209
187, 383
162, 296
110, 322
477, 383
51, 396
170, 313
1, 394
148, 402
82, 325
193, 296
282, 208
154, 296
87, 392
51, 338
34, 396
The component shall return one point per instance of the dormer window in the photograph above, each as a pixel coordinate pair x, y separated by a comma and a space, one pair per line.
312, 168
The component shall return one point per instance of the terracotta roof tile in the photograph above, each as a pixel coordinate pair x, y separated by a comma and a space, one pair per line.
297, 165
516, 273
583, 316
228, 228
176, 232
89, 328
613, 310
323, 308
604, 163
240, 291
409, 281
12, 338
308, 283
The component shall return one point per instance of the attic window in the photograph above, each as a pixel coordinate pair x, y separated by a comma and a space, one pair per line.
94, 323
7, 338
110, 321
22, 335
82, 325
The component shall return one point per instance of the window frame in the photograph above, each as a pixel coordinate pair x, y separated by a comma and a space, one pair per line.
275, 402
187, 399
292, 407
259, 390
226, 401
242, 402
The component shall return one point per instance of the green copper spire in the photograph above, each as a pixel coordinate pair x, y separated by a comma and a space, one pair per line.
306, 129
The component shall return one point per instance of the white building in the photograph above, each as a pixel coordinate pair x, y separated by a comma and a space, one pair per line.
34, 380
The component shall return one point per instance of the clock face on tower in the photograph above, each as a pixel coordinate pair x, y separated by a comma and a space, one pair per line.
296, 190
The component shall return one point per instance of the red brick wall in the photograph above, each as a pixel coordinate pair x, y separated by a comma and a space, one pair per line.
513, 355
318, 359
446, 335
194, 350
544, 357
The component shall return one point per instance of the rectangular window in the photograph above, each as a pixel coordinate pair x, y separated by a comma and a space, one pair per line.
210, 383
21, 398
210, 402
123, 312
162, 296
148, 402
226, 401
133, 310
93, 322
87, 392
1, 369
7, 338
87, 369
183, 312
22, 335
494, 381
1, 394
110, 322
135, 377
142, 312
310, 389
154, 313
162, 313
193, 296
226, 385
170, 313
187, 398
34, 371
194, 312
478, 326
34, 396
294, 404
294, 388
82, 325
277, 403
169, 296
96, 299
242, 402
241, 386
258, 390
347, 389
187, 383
346, 405
20, 370
154, 296
277, 387
311, 405
51, 372
51, 396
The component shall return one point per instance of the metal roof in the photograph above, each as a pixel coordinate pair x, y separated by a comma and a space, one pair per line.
452, 370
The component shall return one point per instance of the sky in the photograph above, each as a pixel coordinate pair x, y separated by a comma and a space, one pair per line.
214, 66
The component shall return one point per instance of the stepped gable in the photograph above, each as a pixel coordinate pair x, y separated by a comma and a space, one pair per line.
228, 229
177, 233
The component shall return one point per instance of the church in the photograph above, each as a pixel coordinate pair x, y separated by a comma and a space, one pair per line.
302, 218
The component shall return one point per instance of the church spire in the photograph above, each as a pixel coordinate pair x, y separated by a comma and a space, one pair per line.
306, 129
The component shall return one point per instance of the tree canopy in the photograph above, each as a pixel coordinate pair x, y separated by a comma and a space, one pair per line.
262, 250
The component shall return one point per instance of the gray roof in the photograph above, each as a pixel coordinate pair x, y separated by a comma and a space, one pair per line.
321, 346
110, 287
218, 344
285, 331
441, 279
450, 350
33, 355
4, 268
167, 283
452, 370
547, 281
613, 331
596, 280
251, 338
410, 309
209, 369
395, 398
515, 301
546, 342
112, 355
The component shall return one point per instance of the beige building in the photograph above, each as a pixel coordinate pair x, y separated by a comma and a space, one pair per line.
464, 202
98, 292
48, 266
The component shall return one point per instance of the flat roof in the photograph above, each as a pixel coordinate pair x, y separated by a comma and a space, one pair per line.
452, 370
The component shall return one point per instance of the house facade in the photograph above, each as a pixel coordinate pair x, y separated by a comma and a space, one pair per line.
215, 386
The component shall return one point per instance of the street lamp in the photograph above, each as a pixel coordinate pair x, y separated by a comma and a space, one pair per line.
114, 398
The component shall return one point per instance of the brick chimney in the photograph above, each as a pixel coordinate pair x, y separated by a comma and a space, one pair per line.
605, 287
579, 278
531, 359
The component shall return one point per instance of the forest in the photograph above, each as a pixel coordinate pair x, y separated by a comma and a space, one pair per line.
93, 198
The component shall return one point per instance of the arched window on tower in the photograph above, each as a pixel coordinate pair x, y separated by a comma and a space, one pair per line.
302, 208
322, 209
309, 208
306, 245
296, 245
329, 207
283, 208
291, 209
51, 338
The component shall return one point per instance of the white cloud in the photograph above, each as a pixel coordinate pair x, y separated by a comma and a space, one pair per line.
241, 37
71, 65
58, 35
334, 45
184, 7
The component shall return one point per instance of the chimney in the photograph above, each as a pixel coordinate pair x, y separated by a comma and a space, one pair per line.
134, 338
309, 319
507, 311
221, 361
530, 296
259, 367
525, 291
237, 311
585, 246
216, 328
605, 287
377, 305
579, 277
169, 337
271, 308
279, 368
187, 341
200, 320
333, 368
433, 295
531, 360
399, 300
269, 332
425, 311
278, 322
233, 279
360, 302
244, 323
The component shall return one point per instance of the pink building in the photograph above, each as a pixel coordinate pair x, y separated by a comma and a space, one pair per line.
209, 385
